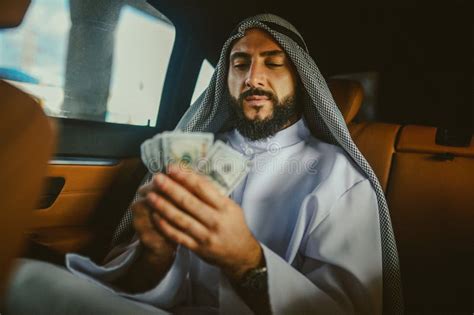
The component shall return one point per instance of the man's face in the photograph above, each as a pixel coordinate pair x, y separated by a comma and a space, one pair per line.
260, 75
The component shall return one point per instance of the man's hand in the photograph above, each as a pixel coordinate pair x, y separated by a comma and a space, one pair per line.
157, 248
157, 253
189, 210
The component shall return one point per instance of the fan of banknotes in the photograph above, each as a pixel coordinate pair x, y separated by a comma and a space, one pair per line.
223, 165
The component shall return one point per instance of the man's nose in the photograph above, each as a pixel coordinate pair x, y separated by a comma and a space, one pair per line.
255, 77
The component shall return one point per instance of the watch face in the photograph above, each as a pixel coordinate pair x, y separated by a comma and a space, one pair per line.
259, 281
255, 279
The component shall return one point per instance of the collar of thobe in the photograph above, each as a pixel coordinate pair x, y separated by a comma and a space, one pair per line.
289, 136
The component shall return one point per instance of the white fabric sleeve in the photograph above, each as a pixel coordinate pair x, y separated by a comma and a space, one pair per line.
339, 270
168, 292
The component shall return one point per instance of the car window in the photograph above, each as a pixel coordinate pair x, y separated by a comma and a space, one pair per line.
203, 79
98, 60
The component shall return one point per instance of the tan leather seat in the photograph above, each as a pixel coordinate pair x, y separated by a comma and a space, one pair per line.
376, 141
429, 191
431, 200
348, 96
12, 12
26, 138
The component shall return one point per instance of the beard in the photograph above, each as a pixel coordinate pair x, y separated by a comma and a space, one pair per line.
257, 129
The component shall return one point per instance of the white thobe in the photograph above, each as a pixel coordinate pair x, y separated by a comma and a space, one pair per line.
316, 217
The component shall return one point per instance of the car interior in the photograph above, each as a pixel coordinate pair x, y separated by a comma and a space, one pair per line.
400, 73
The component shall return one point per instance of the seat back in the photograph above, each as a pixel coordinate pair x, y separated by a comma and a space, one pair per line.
376, 141
348, 95
26, 141
429, 190
431, 198
26, 138
12, 12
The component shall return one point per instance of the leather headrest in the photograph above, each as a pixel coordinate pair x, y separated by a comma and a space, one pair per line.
348, 95
12, 12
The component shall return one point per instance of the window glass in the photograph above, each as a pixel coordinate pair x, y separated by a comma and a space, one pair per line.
102, 60
203, 80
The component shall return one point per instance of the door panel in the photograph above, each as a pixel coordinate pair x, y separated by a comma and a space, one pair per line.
88, 207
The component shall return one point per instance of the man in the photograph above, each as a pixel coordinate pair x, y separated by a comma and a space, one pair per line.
289, 240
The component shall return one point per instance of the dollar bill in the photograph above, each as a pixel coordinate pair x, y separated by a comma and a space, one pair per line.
185, 148
151, 154
225, 167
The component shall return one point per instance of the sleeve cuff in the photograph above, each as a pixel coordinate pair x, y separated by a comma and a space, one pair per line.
291, 292
172, 289
85, 267
166, 294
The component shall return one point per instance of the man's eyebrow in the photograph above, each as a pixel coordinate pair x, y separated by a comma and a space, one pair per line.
269, 53
239, 54
273, 53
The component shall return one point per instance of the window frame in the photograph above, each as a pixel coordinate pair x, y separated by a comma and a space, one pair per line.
83, 138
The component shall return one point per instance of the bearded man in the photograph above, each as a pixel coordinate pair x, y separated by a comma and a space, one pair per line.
315, 239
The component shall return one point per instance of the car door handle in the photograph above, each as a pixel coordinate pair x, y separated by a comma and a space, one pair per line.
52, 188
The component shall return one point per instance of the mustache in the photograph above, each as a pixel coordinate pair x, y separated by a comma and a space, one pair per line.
258, 92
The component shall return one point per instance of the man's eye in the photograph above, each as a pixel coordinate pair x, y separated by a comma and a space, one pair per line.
241, 65
274, 65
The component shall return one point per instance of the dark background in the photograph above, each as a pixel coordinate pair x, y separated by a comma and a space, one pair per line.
423, 51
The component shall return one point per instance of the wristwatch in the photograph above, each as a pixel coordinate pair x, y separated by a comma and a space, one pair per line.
255, 279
